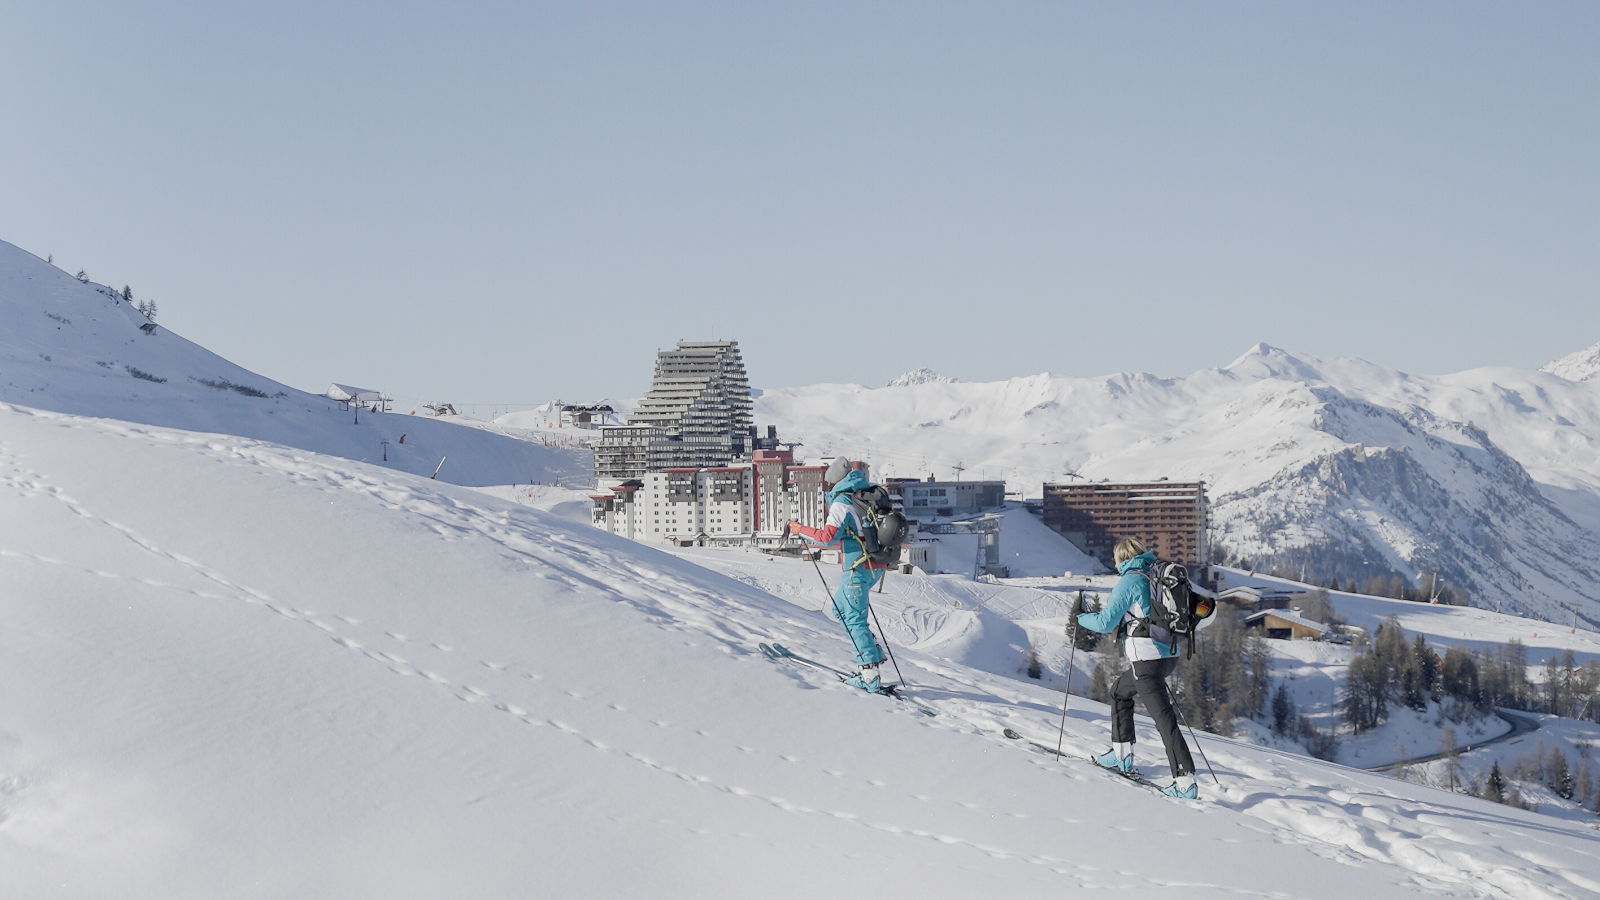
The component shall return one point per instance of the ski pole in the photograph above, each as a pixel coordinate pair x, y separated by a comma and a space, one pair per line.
1071, 656
885, 641
1195, 738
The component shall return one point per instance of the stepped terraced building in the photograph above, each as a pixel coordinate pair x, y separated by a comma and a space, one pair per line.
696, 414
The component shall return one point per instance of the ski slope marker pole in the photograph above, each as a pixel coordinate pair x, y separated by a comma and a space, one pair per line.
438, 467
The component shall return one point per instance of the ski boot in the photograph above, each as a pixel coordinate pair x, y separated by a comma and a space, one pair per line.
1184, 789
867, 679
1120, 764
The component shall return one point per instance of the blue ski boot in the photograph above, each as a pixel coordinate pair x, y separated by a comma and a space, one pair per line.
1110, 760
867, 679
1184, 789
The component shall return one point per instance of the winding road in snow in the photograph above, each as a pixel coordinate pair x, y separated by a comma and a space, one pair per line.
1520, 725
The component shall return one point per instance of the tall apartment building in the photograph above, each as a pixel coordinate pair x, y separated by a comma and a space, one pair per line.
623, 451
1168, 517
700, 399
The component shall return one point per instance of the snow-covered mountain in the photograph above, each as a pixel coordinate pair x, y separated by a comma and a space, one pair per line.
77, 347
920, 376
1490, 477
1584, 365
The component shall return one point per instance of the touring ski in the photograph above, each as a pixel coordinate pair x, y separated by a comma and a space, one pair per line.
780, 652
1133, 776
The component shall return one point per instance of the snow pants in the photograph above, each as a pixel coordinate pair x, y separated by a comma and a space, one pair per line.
850, 607
1148, 679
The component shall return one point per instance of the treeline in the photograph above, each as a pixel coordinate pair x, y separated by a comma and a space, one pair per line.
1395, 671
1321, 567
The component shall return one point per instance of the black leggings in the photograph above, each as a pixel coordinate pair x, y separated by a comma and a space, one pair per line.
1148, 678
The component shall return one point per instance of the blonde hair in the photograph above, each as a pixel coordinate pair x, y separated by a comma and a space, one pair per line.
1127, 549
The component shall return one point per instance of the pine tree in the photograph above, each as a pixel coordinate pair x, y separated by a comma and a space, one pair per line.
127, 294
1283, 712
1495, 787
82, 276
1558, 775
1366, 688
1428, 667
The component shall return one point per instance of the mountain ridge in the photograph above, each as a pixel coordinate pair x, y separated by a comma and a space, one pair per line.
1490, 477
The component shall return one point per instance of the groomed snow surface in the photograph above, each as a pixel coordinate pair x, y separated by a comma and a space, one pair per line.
236, 669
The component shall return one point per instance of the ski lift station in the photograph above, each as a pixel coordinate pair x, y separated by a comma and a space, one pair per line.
348, 394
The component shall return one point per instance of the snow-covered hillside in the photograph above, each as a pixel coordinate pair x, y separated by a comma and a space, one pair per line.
238, 669
79, 348
1489, 477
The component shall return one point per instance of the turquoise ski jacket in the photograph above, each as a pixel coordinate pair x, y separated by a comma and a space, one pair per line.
1130, 596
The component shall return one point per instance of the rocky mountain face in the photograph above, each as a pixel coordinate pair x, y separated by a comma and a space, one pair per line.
1413, 493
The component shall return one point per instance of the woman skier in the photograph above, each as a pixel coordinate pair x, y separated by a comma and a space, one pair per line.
844, 527
1128, 610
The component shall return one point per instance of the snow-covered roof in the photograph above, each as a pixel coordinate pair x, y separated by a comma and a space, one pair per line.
339, 391
1288, 615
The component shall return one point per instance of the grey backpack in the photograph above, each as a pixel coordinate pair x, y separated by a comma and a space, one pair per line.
884, 528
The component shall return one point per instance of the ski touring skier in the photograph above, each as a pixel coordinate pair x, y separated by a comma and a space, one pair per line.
1150, 662
844, 528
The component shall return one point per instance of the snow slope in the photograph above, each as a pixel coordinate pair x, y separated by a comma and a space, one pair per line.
238, 669
1490, 477
78, 348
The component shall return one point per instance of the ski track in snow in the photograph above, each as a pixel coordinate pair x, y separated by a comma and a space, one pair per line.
1444, 853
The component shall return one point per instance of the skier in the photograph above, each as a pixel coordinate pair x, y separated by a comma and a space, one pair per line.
844, 528
1151, 663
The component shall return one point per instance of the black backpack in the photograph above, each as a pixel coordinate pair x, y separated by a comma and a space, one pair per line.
1177, 610
884, 528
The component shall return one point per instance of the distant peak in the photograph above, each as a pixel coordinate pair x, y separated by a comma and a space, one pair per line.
921, 376
1581, 366
1266, 361
1261, 349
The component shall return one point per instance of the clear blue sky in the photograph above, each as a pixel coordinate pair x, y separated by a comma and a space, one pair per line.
498, 203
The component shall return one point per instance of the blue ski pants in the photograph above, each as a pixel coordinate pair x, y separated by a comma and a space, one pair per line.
850, 608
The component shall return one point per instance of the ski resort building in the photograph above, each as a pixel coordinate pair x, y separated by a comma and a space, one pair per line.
700, 401
585, 415
946, 498
1169, 517
748, 502
1287, 625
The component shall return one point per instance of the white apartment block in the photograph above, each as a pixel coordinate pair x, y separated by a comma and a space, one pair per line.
742, 503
